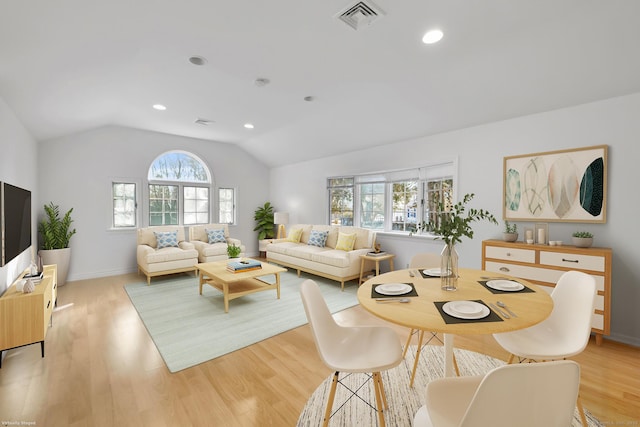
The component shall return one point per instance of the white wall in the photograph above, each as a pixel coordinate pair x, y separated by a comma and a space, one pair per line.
301, 188
77, 171
18, 154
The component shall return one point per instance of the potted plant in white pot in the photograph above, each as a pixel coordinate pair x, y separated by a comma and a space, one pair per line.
510, 233
582, 239
56, 233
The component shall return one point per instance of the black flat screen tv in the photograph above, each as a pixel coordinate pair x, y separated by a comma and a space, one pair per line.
16, 221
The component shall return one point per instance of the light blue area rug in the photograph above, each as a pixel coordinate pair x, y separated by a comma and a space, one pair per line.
189, 328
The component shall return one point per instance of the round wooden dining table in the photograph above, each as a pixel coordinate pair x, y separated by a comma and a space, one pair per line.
424, 310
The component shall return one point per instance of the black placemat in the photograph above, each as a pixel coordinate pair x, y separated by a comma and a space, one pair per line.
412, 293
492, 317
427, 276
497, 291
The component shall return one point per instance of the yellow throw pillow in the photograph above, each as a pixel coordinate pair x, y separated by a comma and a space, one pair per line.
346, 241
294, 235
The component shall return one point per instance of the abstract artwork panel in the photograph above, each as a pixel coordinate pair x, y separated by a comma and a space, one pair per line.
561, 186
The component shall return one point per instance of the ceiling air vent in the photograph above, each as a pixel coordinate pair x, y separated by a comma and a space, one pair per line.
204, 122
360, 15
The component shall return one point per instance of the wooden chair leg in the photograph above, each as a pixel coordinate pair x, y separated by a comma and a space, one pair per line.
583, 418
381, 400
332, 395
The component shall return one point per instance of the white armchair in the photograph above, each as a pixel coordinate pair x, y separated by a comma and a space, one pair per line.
163, 250
211, 240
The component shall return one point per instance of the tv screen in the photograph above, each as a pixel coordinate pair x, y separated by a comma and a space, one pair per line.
16, 221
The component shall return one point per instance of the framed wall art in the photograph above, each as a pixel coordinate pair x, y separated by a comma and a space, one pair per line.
556, 186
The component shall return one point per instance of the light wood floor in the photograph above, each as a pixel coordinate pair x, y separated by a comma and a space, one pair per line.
102, 369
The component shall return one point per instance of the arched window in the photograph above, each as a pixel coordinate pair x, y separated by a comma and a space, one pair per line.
179, 190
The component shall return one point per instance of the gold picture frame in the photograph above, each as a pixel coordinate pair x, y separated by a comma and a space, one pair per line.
556, 186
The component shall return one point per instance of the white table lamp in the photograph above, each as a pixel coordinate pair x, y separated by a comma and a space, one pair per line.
282, 219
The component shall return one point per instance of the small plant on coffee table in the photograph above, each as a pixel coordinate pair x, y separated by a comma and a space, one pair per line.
233, 250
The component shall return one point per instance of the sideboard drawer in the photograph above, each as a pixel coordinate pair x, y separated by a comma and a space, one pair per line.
572, 261
511, 254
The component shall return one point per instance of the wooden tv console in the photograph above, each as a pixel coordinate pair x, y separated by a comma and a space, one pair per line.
25, 318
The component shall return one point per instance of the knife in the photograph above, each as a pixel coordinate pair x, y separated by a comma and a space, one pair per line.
502, 313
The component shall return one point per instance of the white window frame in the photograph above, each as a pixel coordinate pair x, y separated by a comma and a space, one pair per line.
181, 185
446, 169
234, 193
138, 197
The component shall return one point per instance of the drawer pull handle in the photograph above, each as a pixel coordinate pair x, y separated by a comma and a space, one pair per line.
570, 260
505, 269
48, 304
508, 253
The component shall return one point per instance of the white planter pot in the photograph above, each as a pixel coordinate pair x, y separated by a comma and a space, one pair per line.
510, 237
582, 242
59, 257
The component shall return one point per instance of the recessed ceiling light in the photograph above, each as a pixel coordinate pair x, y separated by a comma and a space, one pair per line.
159, 107
248, 125
432, 36
198, 60
309, 98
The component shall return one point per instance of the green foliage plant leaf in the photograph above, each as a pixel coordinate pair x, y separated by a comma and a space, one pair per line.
56, 232
455, 223
264, 221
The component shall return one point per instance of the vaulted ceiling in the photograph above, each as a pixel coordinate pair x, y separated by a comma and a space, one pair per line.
67, 66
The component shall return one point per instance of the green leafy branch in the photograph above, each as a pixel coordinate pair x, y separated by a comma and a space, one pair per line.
56, 232
451, 225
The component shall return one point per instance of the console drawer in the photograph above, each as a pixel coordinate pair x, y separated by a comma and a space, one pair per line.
572, 261
511, 254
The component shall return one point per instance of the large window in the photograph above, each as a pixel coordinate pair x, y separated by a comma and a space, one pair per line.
391, 201
179, 190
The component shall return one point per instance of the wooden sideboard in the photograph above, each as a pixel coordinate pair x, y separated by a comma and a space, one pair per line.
25, 318
544, 264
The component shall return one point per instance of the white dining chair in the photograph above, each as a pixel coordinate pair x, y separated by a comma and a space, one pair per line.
565, 332
418, 262
354, 349
524, 395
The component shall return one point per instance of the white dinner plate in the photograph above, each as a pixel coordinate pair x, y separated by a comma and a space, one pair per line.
466, 309
505, 285
434, 272
393, 289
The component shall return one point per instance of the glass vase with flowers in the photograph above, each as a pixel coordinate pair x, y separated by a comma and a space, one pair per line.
450, 224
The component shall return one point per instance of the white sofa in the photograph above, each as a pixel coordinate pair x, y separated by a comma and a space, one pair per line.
155, 261
326, 261
208, 252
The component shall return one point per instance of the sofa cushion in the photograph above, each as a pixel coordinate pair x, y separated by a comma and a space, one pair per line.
216, 236
362, 236
294, 235
318, 238
166, 239
333, 257
170, 254
346, 241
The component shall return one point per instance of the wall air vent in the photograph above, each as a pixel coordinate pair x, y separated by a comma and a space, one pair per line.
360, 15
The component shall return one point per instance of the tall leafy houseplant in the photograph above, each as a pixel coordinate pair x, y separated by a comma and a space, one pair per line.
450, 226
264, 221
56, 233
